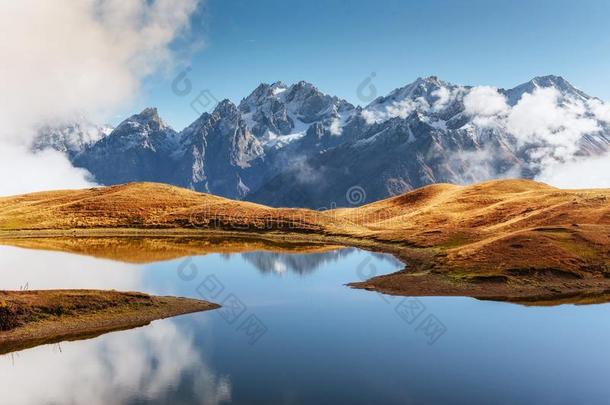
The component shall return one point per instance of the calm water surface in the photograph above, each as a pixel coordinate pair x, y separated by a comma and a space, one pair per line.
290, 332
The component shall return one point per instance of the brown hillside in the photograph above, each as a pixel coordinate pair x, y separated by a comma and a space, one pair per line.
507, 238
148, 206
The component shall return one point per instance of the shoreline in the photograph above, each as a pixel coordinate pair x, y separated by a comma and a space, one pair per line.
512, 240
421, 275
41, 317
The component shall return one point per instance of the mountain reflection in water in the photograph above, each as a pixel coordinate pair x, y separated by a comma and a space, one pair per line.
302, 263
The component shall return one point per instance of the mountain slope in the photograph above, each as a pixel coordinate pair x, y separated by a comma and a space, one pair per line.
137, 148
216, 151
148, 206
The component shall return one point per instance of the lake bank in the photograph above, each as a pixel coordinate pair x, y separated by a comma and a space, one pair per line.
32, 318
514, 240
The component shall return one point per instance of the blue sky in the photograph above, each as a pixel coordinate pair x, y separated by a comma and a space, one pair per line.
336, 44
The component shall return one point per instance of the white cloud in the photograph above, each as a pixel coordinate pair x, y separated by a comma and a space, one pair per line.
540, 117
335, 127
22, 171
485, 101
371, 116
600, 109
590, 172
303, 171
68, 57
402, 109
480, 165
445, 96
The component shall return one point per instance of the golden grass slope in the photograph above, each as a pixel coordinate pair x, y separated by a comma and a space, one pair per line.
148, 206
498, 238
448, 214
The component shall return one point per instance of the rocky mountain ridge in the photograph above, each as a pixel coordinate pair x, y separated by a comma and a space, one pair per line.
296, 146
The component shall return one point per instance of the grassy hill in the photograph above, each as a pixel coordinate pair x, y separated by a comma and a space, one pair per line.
513, 239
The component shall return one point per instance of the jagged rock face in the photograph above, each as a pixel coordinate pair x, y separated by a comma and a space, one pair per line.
296, 146
137, 150
266, 112
218, 149
277, 110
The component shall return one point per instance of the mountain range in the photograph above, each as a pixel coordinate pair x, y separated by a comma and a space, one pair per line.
295, 146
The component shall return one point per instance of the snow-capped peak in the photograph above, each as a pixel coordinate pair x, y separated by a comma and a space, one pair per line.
428, 96
144, 130
558, 83
226, 108
278, 114
149, 117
